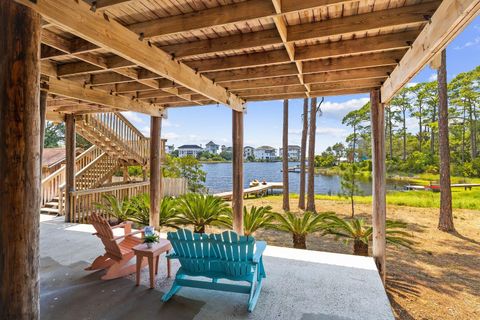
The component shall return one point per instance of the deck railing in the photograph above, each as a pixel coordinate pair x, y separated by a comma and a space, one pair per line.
52, 183
83, 202
121, 133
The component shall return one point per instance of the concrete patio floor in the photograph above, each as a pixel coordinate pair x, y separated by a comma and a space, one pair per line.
300, 284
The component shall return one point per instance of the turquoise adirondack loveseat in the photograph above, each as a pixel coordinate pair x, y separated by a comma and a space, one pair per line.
218, 256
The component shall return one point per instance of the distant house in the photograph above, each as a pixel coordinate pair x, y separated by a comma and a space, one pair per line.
265, 153
248, 152
169, 149
189, 150
212, 147
53, 159
293, 152
223, 148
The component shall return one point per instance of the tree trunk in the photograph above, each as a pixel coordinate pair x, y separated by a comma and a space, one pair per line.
352, 203
473, 132
360, 248
463, 134
390, 133
303, 153
420, 138
19, 161
404, 157
311, 156
155, 170
286, 195
354, 143
299, 241
445, 222
199, 229
432, 131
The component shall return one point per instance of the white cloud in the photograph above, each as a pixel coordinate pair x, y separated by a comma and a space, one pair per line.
433, 77
411, 84
475, 42
338, 110
332, 132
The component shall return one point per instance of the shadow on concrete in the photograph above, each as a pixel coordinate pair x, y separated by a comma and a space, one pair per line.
66, 293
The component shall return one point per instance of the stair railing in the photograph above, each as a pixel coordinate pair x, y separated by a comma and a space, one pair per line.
52, 183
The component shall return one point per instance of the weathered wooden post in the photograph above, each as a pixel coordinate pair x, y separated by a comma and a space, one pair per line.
286, 191
19, 161
379, 207
155, 170
43, 110
70, 154
237, 167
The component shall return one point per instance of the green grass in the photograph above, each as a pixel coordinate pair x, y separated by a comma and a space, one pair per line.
461, 199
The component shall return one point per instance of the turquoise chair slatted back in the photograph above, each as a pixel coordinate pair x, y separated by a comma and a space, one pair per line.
234, 253
191, 249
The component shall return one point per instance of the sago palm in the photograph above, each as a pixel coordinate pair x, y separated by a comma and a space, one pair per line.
360, 233
115, 207
301, 226
253, 219
140, 208
200, 210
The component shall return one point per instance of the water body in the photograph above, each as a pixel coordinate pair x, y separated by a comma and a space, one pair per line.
219, 178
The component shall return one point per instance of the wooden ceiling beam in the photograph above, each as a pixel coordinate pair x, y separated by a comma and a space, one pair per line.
78, 19
344, 85
74, 90
451, 17
363, 22
408, 15
262, 83
226, 14
348, 75
340, 92
273, 90
276, 97
107, 4
254, 73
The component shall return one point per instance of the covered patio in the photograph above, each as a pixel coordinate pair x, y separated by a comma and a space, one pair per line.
64, 60
301, 284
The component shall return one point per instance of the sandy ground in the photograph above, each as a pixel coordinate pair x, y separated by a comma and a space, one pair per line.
439, 279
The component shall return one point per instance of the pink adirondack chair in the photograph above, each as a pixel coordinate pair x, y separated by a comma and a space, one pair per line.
118, 249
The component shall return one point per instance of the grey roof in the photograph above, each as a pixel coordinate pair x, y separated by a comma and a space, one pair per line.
265, 148
189, 146
211, 143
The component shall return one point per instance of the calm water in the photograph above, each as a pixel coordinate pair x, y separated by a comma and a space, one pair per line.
219, 178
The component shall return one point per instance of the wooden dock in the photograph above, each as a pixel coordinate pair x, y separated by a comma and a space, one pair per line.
436, 187
257, 191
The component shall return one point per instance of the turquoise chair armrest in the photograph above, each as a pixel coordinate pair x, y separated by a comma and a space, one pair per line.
260, 247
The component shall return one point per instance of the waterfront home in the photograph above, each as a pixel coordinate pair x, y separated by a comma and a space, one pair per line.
169, 149
293, 152
212, 147
189, 150
265, 153
248, 152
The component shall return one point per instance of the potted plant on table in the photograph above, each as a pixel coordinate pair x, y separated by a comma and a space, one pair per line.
150, 237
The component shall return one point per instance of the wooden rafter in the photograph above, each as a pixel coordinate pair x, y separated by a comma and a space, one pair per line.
77, 18
448, 21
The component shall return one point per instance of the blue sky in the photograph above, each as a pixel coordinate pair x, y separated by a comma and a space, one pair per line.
263, 120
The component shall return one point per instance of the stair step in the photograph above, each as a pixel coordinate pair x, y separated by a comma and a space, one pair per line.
49, 210
53, 204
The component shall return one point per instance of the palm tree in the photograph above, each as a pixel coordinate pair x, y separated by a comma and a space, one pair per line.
253, 219
114, 207
140, 208
200, 210
301, 226
303, 153
360, 233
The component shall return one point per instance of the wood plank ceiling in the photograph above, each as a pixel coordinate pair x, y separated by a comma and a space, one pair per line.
255, 49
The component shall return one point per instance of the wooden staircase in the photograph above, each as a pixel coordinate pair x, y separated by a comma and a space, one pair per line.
116, 143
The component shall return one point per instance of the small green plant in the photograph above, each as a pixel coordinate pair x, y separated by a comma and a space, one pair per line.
140, 211
349, 183
360, 233
113, 207
200, 210
151, 238
253, 219
301, 226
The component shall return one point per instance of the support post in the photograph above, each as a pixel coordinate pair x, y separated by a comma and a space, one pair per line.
286, 191
379, 207
237, 166
155, 171
311, 156
70, 144
445, 221
19, 161
43, 110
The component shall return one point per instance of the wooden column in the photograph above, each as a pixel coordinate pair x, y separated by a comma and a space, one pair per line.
237, 167
286, 195
43, 110
19, 161
70, 144
155, 171
379, 208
